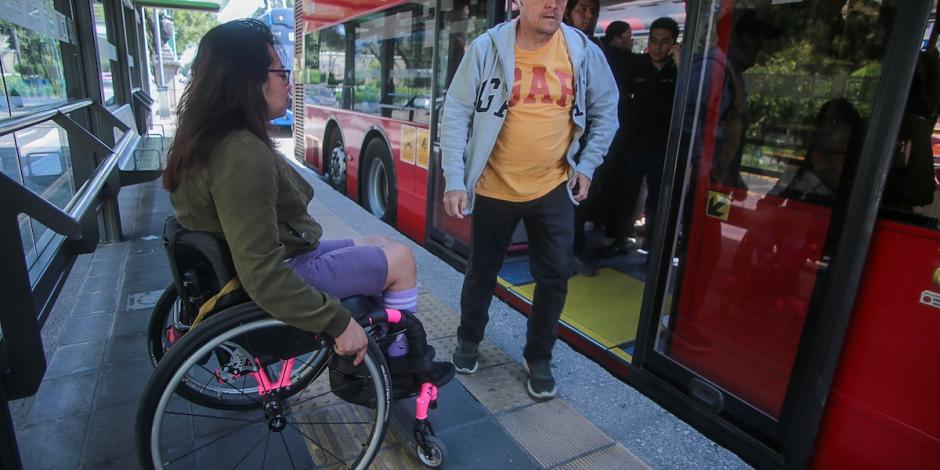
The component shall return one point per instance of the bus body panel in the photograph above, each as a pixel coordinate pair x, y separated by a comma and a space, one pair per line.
356, 128
884, 405
762, 255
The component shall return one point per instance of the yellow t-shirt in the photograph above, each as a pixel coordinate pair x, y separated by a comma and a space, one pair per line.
528, 159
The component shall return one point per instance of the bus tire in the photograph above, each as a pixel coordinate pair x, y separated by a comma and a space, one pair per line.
334, 161
379, 186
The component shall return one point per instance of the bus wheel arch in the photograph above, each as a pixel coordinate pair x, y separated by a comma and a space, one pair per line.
378, 183
334, 158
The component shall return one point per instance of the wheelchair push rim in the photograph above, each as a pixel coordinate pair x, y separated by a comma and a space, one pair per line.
293, 418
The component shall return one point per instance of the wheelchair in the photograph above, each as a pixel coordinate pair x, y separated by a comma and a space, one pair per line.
234, 387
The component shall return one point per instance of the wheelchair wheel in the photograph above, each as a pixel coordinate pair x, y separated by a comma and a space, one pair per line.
307, 426
169, 322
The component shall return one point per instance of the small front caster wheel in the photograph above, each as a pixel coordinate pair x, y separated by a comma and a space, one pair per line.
433, 454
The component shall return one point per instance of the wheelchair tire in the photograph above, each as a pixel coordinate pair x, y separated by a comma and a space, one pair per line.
159, 341
309, 424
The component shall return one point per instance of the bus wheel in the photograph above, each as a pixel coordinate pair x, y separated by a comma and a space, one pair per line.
335, 171
379, 190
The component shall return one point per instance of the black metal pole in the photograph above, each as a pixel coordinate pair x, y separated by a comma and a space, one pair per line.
9, 451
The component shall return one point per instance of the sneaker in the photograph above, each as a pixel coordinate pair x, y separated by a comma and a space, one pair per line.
541, 383
465, 357
582, 267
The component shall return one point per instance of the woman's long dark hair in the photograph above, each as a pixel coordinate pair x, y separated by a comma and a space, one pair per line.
225, 94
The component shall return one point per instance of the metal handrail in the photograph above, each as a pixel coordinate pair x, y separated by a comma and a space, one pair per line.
18, 123
27, 202
88, 192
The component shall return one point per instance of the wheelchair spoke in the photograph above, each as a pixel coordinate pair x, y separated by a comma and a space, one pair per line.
317, 423
318, 444
226, 382
264, 458
198, 415
217, 439
288, 451
331, 390
251, 450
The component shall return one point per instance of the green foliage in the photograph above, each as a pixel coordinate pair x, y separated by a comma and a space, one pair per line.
38, 68
191, 26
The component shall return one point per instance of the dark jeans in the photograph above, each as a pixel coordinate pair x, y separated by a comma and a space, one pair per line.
548, 224
635, 168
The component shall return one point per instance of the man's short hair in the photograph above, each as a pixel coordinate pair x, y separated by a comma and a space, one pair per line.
668, 24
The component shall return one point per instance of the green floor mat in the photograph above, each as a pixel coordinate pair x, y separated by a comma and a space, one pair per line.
605, 307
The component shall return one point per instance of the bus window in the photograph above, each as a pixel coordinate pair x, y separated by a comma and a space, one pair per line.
392, 75
325, 66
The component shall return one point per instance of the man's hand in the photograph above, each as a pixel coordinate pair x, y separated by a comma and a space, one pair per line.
455, 203
675, 52
579, 186
352, 341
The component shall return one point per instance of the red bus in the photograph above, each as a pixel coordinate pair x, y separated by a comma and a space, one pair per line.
787, 306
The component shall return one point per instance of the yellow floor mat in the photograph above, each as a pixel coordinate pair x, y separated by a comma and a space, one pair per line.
605, 307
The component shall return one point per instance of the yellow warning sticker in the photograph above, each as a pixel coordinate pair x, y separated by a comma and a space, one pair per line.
408, 144
718, 206
424, 147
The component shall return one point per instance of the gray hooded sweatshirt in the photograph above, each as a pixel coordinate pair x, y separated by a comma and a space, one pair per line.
476, 105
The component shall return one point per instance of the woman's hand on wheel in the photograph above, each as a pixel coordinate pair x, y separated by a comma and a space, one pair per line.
352, 341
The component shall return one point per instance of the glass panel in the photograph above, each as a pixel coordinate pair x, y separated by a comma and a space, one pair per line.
410, 90
778, 105
106, 52
46, 168
461, 22
32, 69
10, 166
368, 73
326, 66
911, 188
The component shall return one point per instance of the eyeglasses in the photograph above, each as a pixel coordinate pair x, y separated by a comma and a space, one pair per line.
283, 73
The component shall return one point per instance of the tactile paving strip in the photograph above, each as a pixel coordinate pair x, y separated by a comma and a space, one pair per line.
553, 432
490, 355
615, 457
499, 388
438, 323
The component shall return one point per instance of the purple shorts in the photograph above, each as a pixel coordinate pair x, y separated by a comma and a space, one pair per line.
341, 269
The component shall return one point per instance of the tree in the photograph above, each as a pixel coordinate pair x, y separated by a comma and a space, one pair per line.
191, 26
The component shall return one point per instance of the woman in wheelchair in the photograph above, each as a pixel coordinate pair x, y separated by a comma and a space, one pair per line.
226, 179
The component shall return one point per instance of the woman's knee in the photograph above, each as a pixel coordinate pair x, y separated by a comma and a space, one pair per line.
401, 261
373, 240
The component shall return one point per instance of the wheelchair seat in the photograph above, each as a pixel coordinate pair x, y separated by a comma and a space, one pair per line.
201, 265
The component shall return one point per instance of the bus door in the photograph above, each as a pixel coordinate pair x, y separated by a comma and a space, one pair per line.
773, 108
459, 22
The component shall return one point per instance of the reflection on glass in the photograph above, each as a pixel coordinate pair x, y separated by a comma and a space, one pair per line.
32, 69
46, 169
911, 188
461, 22
410, 94
393, 63
106, 53
367, 85
325, 66
777, 108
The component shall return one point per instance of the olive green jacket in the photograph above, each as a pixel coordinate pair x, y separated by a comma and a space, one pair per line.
253, 198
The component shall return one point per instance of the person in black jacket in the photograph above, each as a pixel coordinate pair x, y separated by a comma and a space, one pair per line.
650, 86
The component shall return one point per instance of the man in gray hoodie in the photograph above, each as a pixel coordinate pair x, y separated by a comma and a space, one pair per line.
513, 116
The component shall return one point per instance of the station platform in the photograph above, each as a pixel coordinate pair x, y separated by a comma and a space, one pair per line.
83, 415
